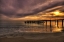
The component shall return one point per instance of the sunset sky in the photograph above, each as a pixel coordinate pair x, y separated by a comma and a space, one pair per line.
20, 8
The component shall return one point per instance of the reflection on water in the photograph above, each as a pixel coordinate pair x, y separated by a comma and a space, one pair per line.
45, 27
20, 26
57, 30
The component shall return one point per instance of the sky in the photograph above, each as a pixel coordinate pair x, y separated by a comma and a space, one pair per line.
20, 8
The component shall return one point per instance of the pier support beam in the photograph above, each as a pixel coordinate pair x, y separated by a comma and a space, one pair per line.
56, 23
50, 26
62, 23
46, 25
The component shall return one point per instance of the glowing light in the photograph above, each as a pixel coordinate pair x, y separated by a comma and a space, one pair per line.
56, 13
57, 30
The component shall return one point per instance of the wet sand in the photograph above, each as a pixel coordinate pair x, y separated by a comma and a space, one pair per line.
58, 37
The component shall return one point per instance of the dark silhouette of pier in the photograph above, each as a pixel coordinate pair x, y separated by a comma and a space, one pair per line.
42, 21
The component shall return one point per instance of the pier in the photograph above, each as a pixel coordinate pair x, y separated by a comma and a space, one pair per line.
57, 23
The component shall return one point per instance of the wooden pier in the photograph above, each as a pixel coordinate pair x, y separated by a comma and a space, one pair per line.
46, 22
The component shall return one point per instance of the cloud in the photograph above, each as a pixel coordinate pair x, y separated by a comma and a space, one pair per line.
20, 8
